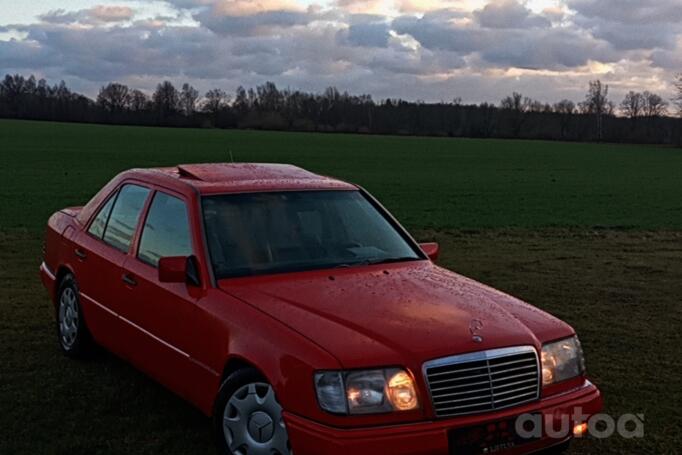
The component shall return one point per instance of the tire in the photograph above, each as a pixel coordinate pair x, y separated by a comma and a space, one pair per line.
247, 418
72, 334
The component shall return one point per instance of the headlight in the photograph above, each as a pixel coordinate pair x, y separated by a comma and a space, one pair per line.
366, 391
562, 360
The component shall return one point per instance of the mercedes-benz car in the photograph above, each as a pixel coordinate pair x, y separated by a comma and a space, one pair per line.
299, 315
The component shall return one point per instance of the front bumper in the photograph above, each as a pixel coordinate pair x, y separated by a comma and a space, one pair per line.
431, 438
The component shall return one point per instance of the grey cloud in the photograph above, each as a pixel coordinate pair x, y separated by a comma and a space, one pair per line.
253, 24
547, 49
359, 53
100, 54
61, 16
95, 15
630, 11
440, 35
633, 36
509, 14
551, 48
631, 24
668, 59
365, 35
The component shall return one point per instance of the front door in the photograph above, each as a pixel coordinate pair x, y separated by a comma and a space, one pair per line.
163, 315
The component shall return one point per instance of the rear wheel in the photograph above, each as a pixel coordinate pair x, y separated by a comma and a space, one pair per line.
248, 418
73, 335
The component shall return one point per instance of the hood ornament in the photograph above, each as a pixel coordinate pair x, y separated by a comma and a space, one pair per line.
475, 326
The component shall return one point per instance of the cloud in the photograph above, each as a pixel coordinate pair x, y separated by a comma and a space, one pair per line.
668, 59
250, 7
365, 6
547, 49
509, 14
373, 34
507, 44
631, 24
438, 33
93, 16
629, 11
416, 49
423, 6
111, 13
259, 23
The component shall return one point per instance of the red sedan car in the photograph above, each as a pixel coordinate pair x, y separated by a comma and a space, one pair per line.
297, 312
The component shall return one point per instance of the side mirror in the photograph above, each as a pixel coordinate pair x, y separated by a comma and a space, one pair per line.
179, 269
432, 249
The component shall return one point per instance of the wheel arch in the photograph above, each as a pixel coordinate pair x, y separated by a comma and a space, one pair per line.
235, 363
62, 271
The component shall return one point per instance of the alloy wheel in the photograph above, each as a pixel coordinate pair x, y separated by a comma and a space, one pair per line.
68, 318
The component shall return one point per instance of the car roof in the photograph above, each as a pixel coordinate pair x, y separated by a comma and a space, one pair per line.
214, 178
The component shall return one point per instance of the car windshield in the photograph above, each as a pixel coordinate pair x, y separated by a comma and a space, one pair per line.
259, 233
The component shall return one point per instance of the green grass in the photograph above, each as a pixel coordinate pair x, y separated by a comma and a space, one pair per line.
540, 220
425, 182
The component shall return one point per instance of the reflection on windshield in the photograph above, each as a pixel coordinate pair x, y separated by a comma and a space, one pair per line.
256, 233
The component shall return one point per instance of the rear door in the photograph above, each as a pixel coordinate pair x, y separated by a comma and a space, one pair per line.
164, 315
100, 253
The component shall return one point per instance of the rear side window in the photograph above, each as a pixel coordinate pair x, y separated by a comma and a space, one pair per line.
124, 216
166, 231
100, 222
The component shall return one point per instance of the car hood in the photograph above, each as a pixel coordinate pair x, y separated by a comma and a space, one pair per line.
396, 314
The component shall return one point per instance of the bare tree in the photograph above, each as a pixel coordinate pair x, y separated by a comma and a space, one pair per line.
520, 106
241, 101
13, 89
632, 105
188, 99
597, 103
214, 101
114, 97
654, 105
534, 105
166, 99
514, 102
564, 107
138, 101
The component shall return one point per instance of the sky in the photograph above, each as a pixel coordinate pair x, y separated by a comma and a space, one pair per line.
430, 50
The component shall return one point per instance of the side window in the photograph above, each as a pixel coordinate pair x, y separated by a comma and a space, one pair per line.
100, 221
166, 230
124, 216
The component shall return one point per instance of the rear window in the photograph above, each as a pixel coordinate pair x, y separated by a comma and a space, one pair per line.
100, 222
125, 216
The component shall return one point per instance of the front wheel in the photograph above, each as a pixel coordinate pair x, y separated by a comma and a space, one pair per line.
248, 418
73, 335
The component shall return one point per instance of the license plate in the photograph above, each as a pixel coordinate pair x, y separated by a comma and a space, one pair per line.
485, 439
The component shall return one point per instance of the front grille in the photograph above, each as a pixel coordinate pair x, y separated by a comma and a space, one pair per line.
483, 381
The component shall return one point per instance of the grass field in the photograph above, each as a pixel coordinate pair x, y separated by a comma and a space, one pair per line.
591, 233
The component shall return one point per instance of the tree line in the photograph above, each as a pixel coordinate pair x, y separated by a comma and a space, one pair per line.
641, 117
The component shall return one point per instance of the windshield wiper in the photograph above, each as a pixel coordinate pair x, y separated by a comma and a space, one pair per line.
389, 260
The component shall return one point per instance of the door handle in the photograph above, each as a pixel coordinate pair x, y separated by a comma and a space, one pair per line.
129, 280
80, 253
